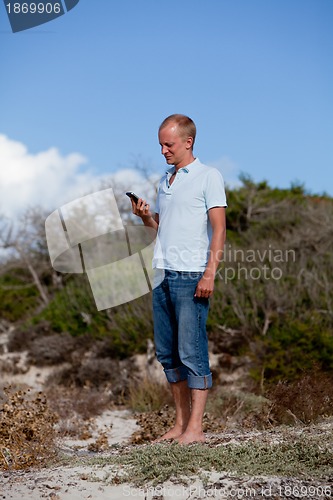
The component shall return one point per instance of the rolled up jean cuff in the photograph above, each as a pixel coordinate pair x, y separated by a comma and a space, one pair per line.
200, 382
174, 375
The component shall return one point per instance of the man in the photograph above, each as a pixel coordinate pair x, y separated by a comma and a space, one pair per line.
190, 220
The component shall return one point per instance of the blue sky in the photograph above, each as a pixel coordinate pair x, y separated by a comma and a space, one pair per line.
255, 75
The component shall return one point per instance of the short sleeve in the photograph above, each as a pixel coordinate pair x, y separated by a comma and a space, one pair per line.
214, 190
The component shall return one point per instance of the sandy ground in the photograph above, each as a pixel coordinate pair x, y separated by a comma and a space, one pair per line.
82, 480
75, 482
85, 481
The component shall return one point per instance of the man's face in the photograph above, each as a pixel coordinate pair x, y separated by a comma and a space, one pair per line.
175, 149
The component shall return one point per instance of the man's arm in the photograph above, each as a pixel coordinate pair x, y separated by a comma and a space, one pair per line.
142, 210
205, 286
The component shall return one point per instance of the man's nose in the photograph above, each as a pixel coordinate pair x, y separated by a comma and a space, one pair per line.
164, 150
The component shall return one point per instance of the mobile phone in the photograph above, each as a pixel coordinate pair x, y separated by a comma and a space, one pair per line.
133, 196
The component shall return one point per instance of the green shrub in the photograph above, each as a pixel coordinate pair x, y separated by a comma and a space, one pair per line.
290, 349
125, 328
18, 296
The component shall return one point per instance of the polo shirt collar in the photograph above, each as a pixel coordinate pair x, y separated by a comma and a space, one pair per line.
184, 169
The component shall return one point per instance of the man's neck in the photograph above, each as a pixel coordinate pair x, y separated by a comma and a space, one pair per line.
184, 163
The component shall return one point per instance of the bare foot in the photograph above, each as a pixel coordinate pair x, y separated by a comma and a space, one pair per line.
189, 437
173, 433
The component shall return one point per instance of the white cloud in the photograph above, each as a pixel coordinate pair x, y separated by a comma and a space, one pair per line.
228, 169
49, 180
129, 179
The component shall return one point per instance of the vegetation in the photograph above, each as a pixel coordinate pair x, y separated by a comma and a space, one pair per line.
272, 302
148, 396
272, 306
27, 435
275, 285
152, 465
293, 458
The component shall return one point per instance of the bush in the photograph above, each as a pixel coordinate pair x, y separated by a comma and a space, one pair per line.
124, 328
292, 348
87, 402
235, 408
304, 400
21, 338
18, 298
52, 349
96, 374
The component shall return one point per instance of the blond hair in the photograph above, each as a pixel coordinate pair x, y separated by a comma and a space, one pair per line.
185, 124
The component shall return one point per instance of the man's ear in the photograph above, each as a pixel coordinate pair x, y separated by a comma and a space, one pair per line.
189, 143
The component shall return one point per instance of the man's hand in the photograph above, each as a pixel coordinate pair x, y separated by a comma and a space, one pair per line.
205, 287
141, 209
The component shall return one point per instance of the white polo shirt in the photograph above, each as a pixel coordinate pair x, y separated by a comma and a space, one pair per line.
184, 231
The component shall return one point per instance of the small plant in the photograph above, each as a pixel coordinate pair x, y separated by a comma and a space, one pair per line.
148, 395
52, 349
305, 400
305, 456
85, 401
238, 407
100, 444
27, 435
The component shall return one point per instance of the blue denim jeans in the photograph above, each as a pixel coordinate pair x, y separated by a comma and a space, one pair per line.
180, 329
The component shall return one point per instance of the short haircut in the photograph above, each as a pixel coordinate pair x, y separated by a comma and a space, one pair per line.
186, 125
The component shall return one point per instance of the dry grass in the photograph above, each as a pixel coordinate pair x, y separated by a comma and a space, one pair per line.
27, 435
237, 408
303, 401
87, 402
76, 409
147, 395
27, 420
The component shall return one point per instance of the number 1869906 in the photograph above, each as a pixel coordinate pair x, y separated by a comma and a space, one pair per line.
33, 8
